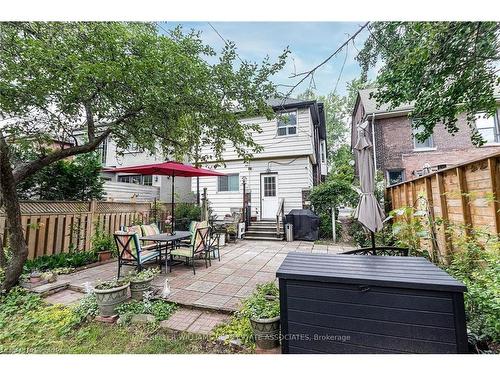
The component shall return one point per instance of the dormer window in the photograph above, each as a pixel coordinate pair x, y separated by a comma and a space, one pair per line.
287, 123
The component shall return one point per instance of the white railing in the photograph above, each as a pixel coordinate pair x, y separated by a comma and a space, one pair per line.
125, 192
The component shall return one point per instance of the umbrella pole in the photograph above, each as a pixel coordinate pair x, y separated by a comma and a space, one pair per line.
372, 235
173, 207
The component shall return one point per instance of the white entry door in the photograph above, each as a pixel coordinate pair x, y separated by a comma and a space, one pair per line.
269, 195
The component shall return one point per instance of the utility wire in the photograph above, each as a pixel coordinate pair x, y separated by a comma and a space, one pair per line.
311, 72
223, 39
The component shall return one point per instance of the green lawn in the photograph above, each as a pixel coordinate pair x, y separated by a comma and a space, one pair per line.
102, 338
28, 325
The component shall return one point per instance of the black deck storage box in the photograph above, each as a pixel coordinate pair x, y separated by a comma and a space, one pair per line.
305, 224
369, 304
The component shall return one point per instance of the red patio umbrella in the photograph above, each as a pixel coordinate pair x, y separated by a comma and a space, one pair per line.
168, 168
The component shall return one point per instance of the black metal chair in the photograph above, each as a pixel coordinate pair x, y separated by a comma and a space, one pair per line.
382, 251
196, 249
131, 253
213, 243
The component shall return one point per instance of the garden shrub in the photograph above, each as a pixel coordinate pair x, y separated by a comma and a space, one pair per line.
256, 305
477, 264
185, 213
87, 308
161, 309
62, 260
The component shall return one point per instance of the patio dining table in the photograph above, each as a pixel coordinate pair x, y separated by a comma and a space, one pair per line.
167, 239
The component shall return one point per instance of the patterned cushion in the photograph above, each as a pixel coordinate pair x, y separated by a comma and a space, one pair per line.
150, 230
192, 226
198, 238
135, 229
127, 249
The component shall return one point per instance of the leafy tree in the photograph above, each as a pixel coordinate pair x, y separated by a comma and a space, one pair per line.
77, 179
338, 110
444, 68
90, 80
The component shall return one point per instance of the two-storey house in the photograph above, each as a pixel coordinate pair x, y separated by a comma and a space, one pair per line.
400, 156
293, 160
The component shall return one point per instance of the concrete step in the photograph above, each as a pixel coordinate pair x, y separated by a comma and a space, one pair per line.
261, 224
260, 238
261, 230
260, 234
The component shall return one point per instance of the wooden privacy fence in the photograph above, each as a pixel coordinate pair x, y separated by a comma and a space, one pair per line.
466, 195
53, 227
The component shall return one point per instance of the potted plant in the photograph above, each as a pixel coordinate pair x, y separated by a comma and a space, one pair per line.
103, 245
110, 294
49, 276
263, 310
35, 276
140, 282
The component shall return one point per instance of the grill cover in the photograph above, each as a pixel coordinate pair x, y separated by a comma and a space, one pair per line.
305, 224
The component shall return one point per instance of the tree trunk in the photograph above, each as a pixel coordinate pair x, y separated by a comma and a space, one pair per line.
12, 266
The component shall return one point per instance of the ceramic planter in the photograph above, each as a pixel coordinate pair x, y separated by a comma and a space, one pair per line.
104, 255
109, 299
137, 288
266, 332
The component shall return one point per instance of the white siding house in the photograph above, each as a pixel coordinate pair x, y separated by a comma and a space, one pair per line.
291, 163
126, 186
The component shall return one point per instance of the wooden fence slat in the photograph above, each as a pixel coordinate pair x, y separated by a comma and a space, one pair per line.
51, 228
467, 194
59, 224
464, 198
493, 167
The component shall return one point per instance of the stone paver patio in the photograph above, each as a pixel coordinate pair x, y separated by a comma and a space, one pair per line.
222, 286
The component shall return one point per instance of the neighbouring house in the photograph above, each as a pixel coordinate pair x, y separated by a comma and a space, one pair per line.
134, 187
401, 157
293, 160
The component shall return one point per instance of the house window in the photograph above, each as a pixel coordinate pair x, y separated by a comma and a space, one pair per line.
147, 180
323, 152
419, 145
103, 150
395, 176
488, 128
287, 123
270, 186
131, 179
228, 183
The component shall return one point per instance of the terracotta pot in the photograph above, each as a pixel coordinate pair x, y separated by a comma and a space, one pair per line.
35, 279
109, 299
137, 288
103, 256
266, 332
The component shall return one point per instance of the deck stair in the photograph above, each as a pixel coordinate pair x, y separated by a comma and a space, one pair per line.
263, 230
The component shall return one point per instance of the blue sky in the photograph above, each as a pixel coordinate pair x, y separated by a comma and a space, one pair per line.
309, 43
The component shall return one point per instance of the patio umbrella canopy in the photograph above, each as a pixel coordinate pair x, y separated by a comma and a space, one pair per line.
369, 213
168, 168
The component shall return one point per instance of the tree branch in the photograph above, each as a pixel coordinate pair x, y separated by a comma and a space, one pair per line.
23, 171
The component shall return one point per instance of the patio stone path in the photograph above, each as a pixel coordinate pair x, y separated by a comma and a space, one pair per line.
65, 297
221, 286
194, 321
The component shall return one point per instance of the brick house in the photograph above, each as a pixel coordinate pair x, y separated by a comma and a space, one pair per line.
401, 157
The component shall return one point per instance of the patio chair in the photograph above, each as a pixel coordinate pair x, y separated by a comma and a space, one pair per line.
197, 248
382, 251
146, 245
131, 253
213, 244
